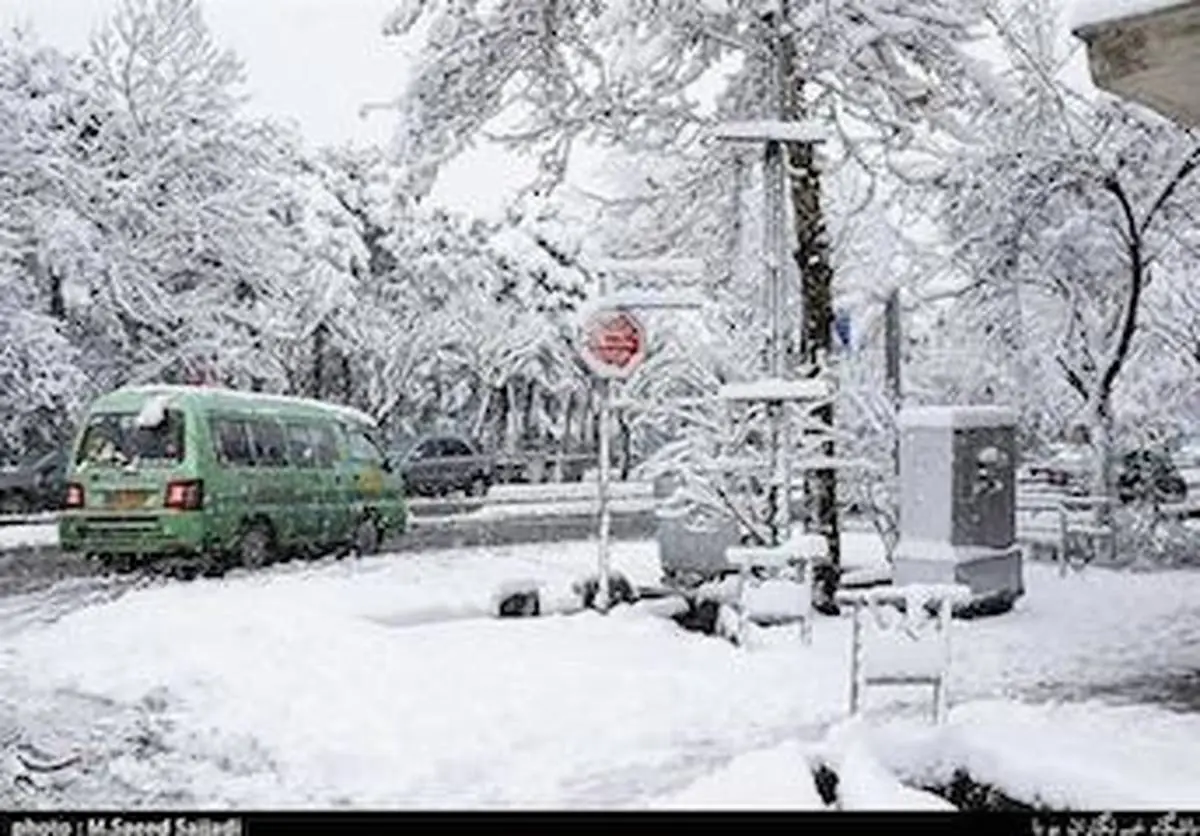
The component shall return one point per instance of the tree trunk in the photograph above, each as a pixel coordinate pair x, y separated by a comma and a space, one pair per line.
500, 423
528, 431
347, 380
1104, 481
568, 414
58, 299
812, 255
317, 372
47, 278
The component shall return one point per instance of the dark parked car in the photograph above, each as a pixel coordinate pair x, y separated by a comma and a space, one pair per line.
438, 465
37, 485
1143, 475
1149, 476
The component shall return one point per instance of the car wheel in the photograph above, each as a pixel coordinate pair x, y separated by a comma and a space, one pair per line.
123, 564
1175, 492
13, 504
366, 538
478, 487
256, 546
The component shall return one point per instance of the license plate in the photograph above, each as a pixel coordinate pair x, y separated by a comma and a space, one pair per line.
125, 500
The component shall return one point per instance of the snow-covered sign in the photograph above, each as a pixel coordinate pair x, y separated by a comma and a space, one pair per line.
842, 329
614, 343
764, 129
642, 299
785, 593
776, 389
647, 265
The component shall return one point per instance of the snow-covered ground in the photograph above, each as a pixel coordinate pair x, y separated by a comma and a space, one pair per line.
33, 535
387, 683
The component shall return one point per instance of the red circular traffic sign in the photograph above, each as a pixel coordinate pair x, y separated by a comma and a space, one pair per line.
614, 343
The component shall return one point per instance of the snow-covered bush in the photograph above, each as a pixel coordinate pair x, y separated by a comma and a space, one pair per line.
1148, 538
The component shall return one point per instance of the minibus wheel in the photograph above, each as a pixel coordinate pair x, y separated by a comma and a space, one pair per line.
254, 546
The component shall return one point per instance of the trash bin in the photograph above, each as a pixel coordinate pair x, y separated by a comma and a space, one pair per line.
691, 542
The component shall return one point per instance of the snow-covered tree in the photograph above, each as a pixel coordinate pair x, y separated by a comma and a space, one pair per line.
544, 75
43, 244
181, 195
1066, 217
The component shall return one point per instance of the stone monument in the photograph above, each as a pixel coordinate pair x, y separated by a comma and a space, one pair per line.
958, 503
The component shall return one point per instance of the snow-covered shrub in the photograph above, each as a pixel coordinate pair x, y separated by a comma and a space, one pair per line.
869, 435
1146, 537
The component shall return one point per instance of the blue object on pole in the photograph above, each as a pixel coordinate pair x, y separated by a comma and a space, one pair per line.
841, 328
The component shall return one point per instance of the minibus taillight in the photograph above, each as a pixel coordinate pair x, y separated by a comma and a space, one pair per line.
74, 497
185, 496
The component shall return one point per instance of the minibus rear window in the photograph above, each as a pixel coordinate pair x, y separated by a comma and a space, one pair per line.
117, 439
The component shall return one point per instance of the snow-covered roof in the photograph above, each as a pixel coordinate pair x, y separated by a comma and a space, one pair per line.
1086, 13
957, 416
908, 594
641, 300
775, 389
258, 397
763, 129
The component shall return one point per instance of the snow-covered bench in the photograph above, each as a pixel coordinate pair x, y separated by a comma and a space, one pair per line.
775, 583
911, 649
1085, 521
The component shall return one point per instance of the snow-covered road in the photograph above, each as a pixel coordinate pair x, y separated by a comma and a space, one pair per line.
385, 683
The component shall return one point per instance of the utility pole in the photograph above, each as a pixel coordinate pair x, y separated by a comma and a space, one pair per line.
776, 133
777, 254
811, 249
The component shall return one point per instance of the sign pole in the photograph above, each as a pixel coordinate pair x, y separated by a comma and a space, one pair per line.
614, 346
603, 593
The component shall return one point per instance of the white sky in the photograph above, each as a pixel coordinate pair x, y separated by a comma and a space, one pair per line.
315, 62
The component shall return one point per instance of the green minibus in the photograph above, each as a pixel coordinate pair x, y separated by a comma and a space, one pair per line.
216, 477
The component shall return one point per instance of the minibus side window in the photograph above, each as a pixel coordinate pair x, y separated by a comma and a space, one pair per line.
301, 449
232, 438
270, 444
326, 445
362, 448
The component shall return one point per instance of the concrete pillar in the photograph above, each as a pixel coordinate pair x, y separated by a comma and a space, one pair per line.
958, 502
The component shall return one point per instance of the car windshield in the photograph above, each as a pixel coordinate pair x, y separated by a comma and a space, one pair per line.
120, 439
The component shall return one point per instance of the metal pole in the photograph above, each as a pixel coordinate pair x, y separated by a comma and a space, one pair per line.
945, 611
891, 351
775, 174
856, 660
603, 592
773, 171
603, 598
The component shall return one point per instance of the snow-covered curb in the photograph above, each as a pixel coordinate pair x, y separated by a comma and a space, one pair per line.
1059, 756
